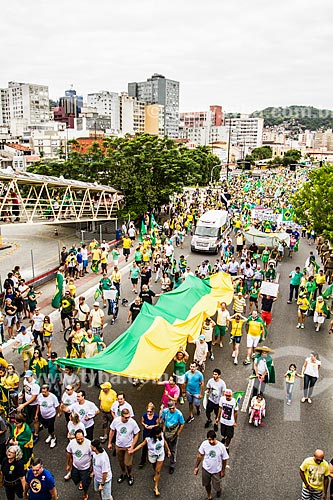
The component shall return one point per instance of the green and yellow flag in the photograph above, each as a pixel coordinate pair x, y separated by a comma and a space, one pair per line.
145, 349
287, 214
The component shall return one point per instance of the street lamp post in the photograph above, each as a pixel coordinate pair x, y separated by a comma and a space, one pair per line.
228, 157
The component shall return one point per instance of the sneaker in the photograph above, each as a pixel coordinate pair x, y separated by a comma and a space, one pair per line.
130, 480
235, 361
302, 326
230, 341
67, 477
215, 427
303, 400
198, 410
102, 438
310, 401
298, 325
189, 420
212, 357
48, 439
53, 443
207, 424
246, 362
254, 355
288, 403
221, 345
288, 301
171, 470
317, 329
233, 354
121, 478
181, 400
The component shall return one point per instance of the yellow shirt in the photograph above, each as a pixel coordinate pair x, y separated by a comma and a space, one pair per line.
116, 277
255, 328
315, 473
320, 280
107, 399
10, 381
127, 242
236, 327
96, 254
319, 307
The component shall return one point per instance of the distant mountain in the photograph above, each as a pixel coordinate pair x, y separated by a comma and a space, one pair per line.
297, 117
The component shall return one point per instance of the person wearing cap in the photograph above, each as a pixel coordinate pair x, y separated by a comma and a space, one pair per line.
67, 308
173, 423
201, 352
227, 416
310, 373
194, 382
96, 320
24, 343
236, 324
28, 400
47, 410
83, 311
239, 304
320, 312
263, 366
214, 457
107, 397
255, 331
54, 375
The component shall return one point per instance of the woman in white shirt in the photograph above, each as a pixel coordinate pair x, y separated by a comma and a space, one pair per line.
310, 371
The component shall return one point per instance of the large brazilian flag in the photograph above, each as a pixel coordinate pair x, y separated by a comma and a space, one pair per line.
149, 344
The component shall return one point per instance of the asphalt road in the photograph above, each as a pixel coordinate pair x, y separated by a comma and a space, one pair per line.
264, 462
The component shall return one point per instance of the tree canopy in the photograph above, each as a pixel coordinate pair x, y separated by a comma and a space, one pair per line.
297, 117
146, 168
313, 203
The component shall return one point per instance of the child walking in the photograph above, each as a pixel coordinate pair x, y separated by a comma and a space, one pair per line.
290, 380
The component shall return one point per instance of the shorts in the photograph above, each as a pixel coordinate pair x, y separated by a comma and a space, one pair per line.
80, 266
236, 339
26, 355
30, 412
106, 491
124, 456
134, 281
252, 341
239, 248
85, 264
48, 423
156, 458
180, 379
126, 251
10, 320
304, 313
47, 338
81, 476
193, 398
213, 480
220, 330
65, 315
266, 316
227, 431
318, 319
253, 299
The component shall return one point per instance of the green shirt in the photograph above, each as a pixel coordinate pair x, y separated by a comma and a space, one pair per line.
295, 278
67, 304
179, 368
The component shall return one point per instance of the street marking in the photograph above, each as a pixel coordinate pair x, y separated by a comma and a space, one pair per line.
247, 396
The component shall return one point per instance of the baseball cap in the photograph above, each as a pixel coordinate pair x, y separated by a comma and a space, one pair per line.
106, 385
228, 392
201, 337
96, 304
82, 297
28, 373
23, 328
54, 354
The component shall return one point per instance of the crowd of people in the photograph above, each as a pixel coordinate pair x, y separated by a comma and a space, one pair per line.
51, 392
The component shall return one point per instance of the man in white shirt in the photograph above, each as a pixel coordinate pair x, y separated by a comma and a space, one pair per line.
87, 411
126, 438
214, 389
47, 409
214, 456
200, 353
233, 267
96, 320
28, 400
102, 470
121, 404
37, 327
24, 340
78, 461
227, 415
222, 323
83, 311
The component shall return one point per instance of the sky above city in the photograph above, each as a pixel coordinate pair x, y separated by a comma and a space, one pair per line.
242, 55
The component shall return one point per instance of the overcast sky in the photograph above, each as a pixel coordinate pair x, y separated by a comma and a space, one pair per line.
242, 54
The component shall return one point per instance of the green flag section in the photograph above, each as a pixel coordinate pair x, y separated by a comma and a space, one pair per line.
149, 344
328, 292
143, 230
58, 293
287, 214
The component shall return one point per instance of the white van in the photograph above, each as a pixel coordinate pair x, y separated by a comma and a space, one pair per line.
210, 231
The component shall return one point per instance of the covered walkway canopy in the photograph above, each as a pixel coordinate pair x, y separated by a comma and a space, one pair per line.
39, 199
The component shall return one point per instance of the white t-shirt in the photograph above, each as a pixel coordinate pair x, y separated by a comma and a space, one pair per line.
96, 317
81, 453
228, 410
233, 267
48, 405
200, 351
207, 331
155, 448
68, 399
125, 431
73, 428
312, 368
222, 317
216, 388
116, 409
88, 409
82, 310
27, 338
38, 322
31, 389
213, 456
84, 252
131, 232
101, 463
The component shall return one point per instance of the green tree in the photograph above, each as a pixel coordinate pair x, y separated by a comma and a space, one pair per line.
291, 156
313, 203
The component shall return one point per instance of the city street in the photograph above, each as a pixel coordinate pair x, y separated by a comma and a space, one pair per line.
264, 462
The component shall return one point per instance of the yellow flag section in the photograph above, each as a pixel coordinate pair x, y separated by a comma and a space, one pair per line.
148, 345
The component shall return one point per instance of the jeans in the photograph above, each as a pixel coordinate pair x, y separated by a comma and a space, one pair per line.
289, 389
16, 489
309, 383
293, 288
211, 407
173, 450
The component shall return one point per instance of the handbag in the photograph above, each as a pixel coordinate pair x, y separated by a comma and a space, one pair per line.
171, 433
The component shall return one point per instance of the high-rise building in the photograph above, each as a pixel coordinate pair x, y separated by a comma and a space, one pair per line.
131, 115
246, 132
28, 102
107, 104
4, 107
213, 117
162, 91
70, 106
